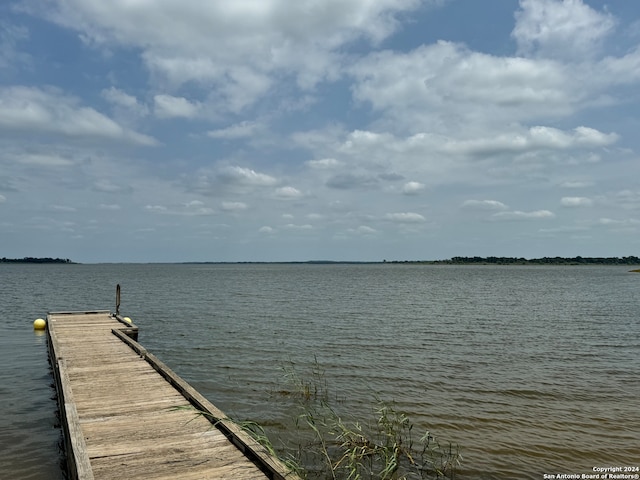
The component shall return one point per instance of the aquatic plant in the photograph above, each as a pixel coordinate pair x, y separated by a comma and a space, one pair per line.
384, 446
312, 387
329, 445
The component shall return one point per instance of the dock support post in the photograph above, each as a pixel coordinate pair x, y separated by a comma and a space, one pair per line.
118, 299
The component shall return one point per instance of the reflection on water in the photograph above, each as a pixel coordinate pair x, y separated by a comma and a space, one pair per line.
531, 370
29, 441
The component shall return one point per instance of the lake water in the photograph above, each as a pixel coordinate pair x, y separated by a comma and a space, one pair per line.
531, 370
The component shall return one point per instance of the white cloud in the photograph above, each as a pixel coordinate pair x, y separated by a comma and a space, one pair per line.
576, 202
364, 137
519, 215
324, 163
483, 205
407, 217
567, 29
378, 121
43, 159
3, 199
236, 48
412, 188
533, 139
628, 199
118, 97
233, 206
304, 227
442, 84
123, 100
187, 210
614, 71
62, 208
156, 208
167, 106
110, 207
576, 184
565, 229
247, 176
445, 87
49, 111
369, 157
288, 192
363, 230
625, 223
237, 131
10, 37
204, 211
350, 181
590, 137
107, 186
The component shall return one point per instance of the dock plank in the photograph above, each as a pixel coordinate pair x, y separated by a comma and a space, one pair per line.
132, 417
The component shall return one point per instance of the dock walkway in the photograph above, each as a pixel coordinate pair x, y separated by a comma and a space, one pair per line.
127, 415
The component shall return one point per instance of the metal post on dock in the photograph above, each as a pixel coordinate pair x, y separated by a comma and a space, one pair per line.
118, 299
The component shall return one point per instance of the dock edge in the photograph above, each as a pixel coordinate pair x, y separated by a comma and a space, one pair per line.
78, 461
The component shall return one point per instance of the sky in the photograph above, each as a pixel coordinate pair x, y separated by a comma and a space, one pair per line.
347, 130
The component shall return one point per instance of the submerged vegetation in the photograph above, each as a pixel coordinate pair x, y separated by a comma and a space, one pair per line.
330, 444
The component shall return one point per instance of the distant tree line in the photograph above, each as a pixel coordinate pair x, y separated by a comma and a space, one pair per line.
632, 260
35, 260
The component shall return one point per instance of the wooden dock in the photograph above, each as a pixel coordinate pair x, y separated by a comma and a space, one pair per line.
125, 414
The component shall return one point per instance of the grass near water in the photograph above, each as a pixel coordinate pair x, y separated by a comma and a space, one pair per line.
331, 444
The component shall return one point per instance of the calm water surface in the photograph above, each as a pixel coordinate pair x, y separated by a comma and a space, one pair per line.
531, 370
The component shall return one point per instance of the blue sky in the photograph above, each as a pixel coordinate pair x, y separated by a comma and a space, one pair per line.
271, 130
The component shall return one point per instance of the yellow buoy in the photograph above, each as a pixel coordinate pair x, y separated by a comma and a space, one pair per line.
127, 319
39, 324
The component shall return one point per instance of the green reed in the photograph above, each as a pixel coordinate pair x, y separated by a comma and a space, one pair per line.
329, 445
383, 446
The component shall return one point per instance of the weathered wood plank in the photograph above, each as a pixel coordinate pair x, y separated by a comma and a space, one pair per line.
133, 417
73, 436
